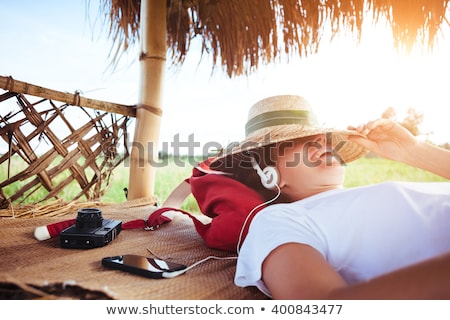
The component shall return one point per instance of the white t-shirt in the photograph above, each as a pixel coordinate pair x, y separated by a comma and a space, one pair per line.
362, 232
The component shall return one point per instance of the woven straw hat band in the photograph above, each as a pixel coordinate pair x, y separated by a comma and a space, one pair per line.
279, 111
280, 117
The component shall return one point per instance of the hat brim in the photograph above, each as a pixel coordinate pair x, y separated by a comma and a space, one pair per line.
346, 149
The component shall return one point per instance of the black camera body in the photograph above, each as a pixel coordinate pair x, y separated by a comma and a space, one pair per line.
90, 230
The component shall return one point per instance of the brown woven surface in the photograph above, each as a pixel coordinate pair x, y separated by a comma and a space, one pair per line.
27, 262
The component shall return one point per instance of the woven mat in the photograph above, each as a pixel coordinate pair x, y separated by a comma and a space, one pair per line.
32, 269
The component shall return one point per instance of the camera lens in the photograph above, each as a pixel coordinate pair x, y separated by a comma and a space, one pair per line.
89, 218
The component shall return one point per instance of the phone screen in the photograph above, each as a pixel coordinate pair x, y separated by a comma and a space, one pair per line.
144, 266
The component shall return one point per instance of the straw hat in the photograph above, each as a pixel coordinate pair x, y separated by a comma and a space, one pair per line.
288, 117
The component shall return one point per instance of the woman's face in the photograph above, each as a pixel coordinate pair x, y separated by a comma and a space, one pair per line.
308, 167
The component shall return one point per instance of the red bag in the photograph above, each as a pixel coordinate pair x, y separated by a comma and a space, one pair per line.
231, 205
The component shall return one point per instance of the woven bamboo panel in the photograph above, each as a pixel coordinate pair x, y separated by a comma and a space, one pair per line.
47, 146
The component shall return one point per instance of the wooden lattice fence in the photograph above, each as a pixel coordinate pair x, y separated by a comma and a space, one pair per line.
50, 140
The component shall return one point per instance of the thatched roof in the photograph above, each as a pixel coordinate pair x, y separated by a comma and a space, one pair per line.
243, 34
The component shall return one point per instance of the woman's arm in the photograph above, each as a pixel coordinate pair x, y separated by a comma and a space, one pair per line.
426, 280
392, 141
297, 271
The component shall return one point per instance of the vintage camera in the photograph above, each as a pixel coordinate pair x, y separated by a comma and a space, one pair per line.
90, 230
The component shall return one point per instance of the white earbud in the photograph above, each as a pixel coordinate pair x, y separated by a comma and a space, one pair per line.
269, 176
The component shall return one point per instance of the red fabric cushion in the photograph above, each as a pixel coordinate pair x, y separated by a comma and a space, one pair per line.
228, 202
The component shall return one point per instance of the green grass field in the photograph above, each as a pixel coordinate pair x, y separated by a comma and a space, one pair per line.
361, 172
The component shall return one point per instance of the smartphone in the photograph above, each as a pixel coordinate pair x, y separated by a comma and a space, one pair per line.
143, 266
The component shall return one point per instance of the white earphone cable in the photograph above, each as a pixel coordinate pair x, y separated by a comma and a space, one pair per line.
251, 213
174, 274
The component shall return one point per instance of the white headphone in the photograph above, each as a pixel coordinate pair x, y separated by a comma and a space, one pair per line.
269, 176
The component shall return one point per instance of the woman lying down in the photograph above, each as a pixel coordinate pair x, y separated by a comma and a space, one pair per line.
318, 240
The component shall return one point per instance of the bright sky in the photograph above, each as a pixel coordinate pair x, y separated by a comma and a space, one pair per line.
61, 45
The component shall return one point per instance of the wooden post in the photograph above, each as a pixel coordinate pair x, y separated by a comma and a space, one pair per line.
144, 151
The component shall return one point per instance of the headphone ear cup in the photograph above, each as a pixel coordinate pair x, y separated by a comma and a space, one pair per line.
271, 177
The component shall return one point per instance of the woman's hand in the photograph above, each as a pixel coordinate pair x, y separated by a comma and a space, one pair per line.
386, 138
389, 139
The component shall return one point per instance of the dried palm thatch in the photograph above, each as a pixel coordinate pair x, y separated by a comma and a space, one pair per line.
54, 144
241, 35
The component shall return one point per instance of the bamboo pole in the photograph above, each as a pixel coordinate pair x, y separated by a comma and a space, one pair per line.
13, 85
144, 150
